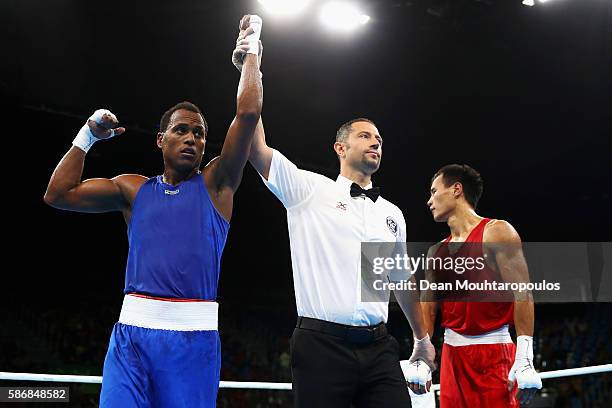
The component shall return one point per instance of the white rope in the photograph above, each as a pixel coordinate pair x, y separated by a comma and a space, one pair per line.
86, 379
576, 371
90, 379
255, 385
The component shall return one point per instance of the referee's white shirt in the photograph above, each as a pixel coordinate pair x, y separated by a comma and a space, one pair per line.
326, 229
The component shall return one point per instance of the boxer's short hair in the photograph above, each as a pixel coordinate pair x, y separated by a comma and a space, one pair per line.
165, 119
469, 178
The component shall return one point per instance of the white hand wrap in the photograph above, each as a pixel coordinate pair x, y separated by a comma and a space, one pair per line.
522, 370
85, 138
255, 22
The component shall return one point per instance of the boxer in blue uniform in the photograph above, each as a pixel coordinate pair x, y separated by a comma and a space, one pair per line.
165, 350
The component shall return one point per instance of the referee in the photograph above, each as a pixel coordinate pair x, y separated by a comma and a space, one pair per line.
341, 353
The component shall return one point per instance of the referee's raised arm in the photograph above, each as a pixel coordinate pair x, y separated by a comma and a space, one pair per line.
261, 153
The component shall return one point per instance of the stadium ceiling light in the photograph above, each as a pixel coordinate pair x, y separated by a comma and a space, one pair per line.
342, 16
284, 7
529, 2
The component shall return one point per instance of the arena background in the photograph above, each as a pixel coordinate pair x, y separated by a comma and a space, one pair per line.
520, 93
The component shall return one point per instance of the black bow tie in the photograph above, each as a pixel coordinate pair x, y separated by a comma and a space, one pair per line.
372, 193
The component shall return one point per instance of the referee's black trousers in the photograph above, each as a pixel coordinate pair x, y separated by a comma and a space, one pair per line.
336, 372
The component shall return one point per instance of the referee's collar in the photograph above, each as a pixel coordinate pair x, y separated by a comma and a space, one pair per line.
343, 181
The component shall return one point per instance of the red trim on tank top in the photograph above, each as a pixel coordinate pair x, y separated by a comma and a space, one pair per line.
168, 299
484, 220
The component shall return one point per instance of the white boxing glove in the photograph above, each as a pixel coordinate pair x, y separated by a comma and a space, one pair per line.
85, 138
523, 371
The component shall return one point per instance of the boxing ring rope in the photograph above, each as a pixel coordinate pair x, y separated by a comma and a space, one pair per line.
90, 379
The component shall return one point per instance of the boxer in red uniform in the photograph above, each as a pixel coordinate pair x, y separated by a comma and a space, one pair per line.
481, 366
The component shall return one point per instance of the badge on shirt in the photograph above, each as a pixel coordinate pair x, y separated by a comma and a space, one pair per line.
392, 224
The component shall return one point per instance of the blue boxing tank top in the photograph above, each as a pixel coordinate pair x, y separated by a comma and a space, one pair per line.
176, 238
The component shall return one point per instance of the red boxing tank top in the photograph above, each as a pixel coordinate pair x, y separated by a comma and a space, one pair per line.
474, 318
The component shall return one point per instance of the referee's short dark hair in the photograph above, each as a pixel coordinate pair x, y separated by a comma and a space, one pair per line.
345, 129
469, 178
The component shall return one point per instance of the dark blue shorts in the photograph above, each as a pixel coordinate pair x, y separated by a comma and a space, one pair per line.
161, 368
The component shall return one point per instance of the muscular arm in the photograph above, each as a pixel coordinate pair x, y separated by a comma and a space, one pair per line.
260, 154
503, 239
66, 191
523, 318
227, 172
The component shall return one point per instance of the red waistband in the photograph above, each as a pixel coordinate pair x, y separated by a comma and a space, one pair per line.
168, 299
